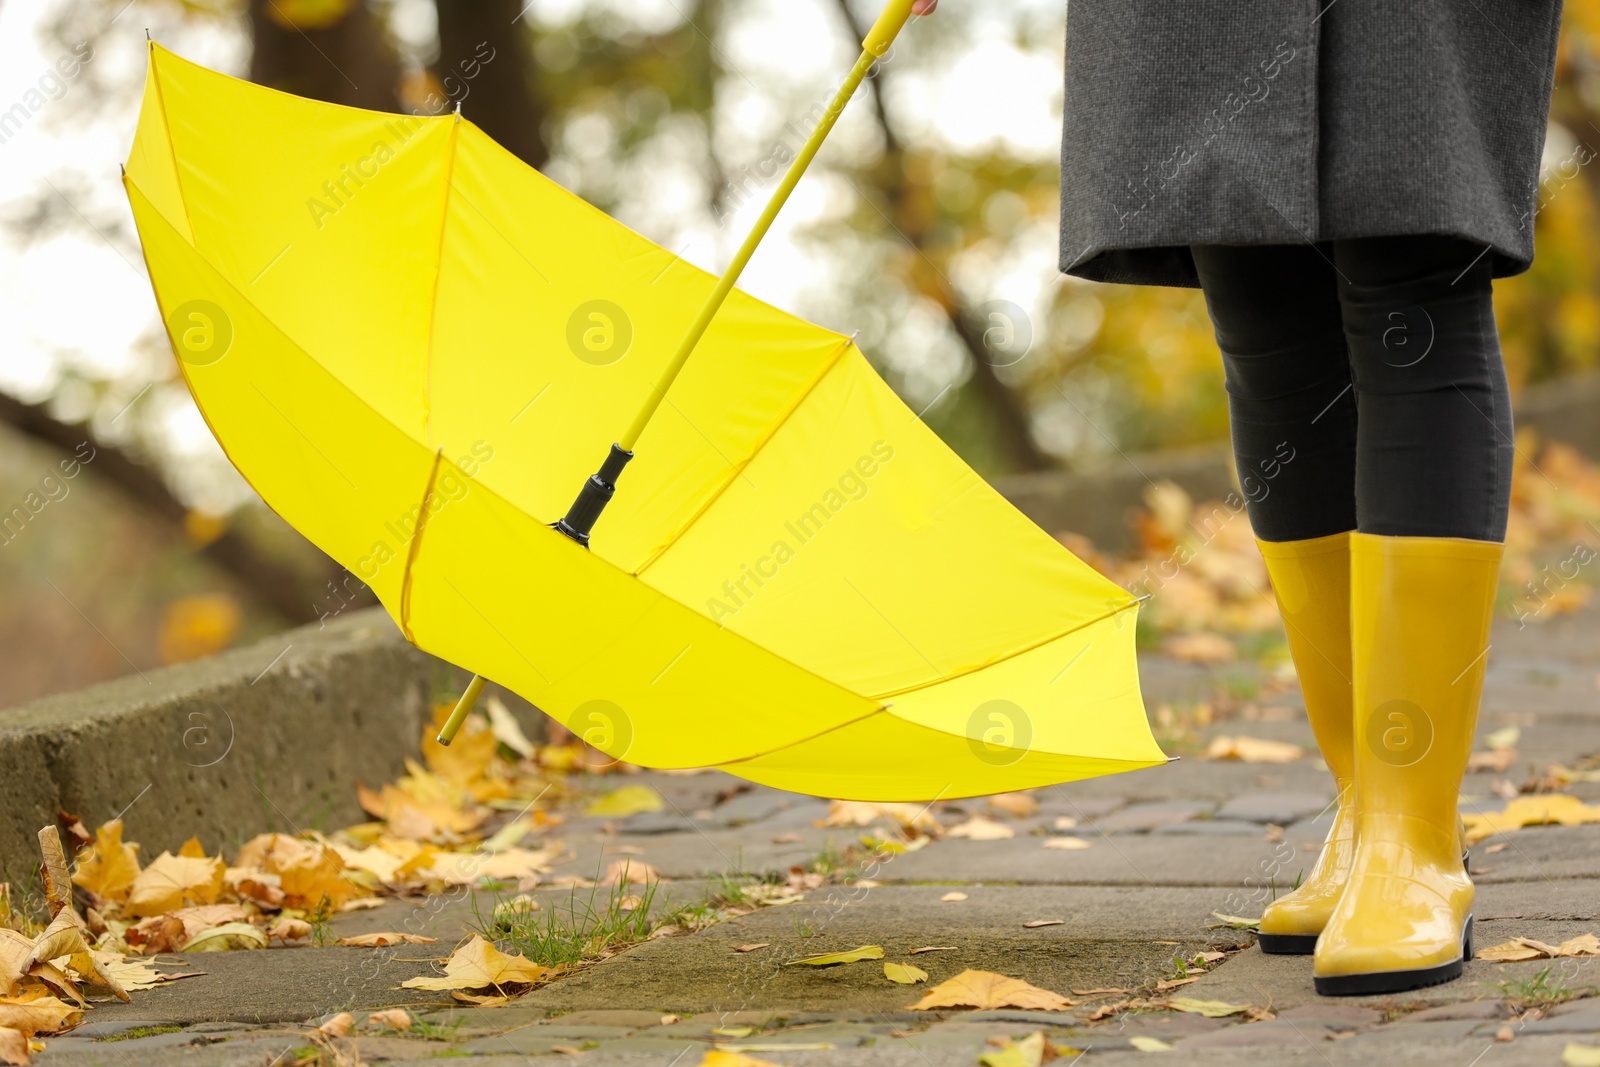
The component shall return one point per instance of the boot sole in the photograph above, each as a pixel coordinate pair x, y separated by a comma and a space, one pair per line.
1351, 985
1287, 944
1306, 944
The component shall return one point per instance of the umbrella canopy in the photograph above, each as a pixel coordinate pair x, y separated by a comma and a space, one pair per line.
415, 347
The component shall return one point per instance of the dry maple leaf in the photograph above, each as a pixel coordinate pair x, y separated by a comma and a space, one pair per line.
108, 867
40, 1014
519, 864
164, 933
14, 1047
985, 990
338, 1026
16, 951
393, 1019
1067, 844
865, 813
288, 929
308, 872
63, 939
133, 973
631, 872
978, 828
1252, 750
1020, 805
1558, 808
172, 882
384, 939
479, 965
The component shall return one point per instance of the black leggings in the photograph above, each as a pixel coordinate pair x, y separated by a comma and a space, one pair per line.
1365, 385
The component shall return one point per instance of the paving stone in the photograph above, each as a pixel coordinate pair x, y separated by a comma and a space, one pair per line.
1334, 1014
1577, 1022
1279, 808
757, 805
1587, 1003
1210, 828
1255, 1035
1473, 1009
1140, 818
530, 1040
657, 822
111, 1027
1410, 1029
1166, 1027
633, 1020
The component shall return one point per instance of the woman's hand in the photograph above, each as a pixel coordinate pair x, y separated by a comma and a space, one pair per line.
924, 7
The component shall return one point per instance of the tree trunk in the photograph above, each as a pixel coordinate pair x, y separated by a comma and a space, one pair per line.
485, 66
345, 61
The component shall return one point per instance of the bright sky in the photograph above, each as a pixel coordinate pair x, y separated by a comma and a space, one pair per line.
78, 298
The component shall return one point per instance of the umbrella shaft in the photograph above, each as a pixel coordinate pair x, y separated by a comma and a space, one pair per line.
730, 277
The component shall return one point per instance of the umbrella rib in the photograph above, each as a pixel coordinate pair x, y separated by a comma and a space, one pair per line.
172, 149
438, 272
1008, 656
416, 547
740, 467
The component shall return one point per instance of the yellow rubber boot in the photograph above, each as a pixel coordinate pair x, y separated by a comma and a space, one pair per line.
1312, 581
1420, 613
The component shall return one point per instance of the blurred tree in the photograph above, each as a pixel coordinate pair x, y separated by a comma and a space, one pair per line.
330, 50
484, 64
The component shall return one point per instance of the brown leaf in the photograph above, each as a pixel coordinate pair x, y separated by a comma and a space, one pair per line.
1252, 750
978, 828
172, 882
519, 864
57, 886
752, 948
631, 872
1067, 844
1559, 808
393, 1019
338, 1026
985, 990
309, 872
288, 929
953, 897
1019, 805
933, 948
16, 953
108, 868
38, 1014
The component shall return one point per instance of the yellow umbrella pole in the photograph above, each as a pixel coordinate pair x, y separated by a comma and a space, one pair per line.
602, 485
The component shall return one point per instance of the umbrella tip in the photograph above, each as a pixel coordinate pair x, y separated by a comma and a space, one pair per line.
458, 111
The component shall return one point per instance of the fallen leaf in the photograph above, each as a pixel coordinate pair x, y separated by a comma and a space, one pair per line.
393, 1019
1576, 1055
1149, 1044
338, 1026
1020, 805
384, 939
733, 1031
227, 938
1036, 923
985, 990
1236, 922
64, 938
933, 948
506, 729
16, 952
855, 955
1065, 822
479, 965
629, 800
1552, 808
1526, 948
1499, 847
904, 973
14, 1047
1497, 760
381, 863
630, 872
1200, 648
133, 973
1164, 985
521, 865
1066, 844
980, 829
752, 948
1099, 992
108, 867
288, 929
38, 1015
1211, 1009
309, 872
723, 1058
172, 882
952, 897
165, 933
1252, 750
1028, 1052
787, 839
865, 813
1504, 738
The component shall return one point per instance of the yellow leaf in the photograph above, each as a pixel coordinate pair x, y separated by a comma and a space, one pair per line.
467, 758
506, 729
630, 872
338, 1026
904, 973
980, 829
288, 929
1511, 952
16, 952
953, 897
308, 872
629, 800
38, 1015
393, 1019
1252, 750
1544, 809
1200, 648
192, 849
479, 965
1020, 805
985, 990
14, 1047
171, 882
1504, 738
1584, 945
383, 940
1066, 844
733, 1031
133, 973
508, 836
855, 955
722, 1058
865, 813
1576, 1055
108, 867
1236, 922
227, 937
1149, 1044
466, 868
1211, 1009
1029, 1052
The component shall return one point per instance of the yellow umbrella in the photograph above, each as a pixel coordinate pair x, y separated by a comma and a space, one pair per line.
415, 348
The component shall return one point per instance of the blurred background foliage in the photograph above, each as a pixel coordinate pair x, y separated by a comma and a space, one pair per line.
932, 209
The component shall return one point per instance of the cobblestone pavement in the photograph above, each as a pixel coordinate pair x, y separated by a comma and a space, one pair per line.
1168, 847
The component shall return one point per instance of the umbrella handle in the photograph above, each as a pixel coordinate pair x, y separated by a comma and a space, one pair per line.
597, 491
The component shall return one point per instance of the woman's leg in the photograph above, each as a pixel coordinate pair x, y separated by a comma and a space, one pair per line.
1433, 476
1280, 327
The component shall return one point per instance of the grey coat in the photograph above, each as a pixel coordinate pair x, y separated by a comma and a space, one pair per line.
1283, 121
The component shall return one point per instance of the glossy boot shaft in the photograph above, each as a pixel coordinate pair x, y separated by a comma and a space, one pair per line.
1420, 614
1311, 579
